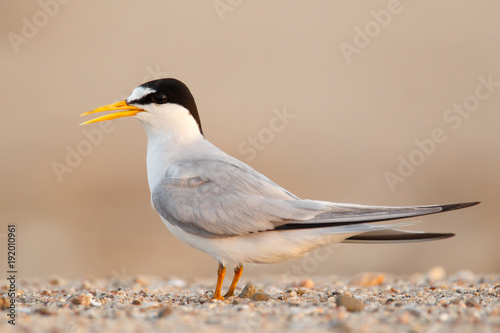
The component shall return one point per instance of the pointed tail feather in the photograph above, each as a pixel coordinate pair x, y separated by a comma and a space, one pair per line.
347, 214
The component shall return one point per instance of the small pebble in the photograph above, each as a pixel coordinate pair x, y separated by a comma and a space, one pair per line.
57, 281
4, 303
45, 312
444, 317
436, 273
370, 279
165, 312
248, 291
350, 303
177, 283
307, 283
95, 303
471, 303
258, 297
80, 299
142, 281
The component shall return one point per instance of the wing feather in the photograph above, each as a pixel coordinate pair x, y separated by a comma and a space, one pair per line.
225, 197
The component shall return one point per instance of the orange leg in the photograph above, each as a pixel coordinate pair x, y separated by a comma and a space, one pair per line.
220, 278
238, 270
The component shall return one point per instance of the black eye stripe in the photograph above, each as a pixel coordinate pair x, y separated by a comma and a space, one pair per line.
175, 92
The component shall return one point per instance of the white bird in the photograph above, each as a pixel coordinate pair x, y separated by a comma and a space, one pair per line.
222, 206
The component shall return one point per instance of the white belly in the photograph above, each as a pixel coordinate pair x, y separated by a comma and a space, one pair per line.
264, 247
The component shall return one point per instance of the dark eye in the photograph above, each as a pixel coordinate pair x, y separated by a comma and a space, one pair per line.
160, 98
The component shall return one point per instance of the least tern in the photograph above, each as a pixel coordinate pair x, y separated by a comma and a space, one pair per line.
220, 205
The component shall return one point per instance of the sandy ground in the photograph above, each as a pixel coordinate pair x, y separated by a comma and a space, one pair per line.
370, 302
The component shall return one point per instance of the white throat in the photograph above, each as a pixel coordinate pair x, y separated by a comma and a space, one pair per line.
172, 131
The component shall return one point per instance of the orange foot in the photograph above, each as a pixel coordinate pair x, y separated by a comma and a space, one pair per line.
221, 272
237, 274
217, 298
220, 277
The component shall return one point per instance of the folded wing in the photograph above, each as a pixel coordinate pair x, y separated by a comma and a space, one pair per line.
224, 198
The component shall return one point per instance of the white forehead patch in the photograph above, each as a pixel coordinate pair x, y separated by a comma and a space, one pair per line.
139, 92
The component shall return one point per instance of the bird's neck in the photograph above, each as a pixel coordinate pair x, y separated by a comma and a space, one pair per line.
171, 133
167, 148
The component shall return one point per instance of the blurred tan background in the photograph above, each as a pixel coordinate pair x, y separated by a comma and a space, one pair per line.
359, 101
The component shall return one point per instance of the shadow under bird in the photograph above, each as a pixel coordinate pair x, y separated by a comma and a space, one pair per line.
220, 205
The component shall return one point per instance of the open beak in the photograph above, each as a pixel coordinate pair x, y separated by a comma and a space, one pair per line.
124, 110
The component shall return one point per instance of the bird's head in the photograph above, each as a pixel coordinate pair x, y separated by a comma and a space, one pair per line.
163, 105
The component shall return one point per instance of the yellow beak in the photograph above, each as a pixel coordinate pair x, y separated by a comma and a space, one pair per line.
124, 110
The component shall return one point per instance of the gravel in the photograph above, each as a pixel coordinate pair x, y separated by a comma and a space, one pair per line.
351, 304
369, 302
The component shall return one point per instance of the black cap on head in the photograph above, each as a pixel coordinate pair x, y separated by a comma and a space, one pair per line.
170, 91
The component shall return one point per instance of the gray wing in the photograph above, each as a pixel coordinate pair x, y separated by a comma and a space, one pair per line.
216, 198
221, 198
